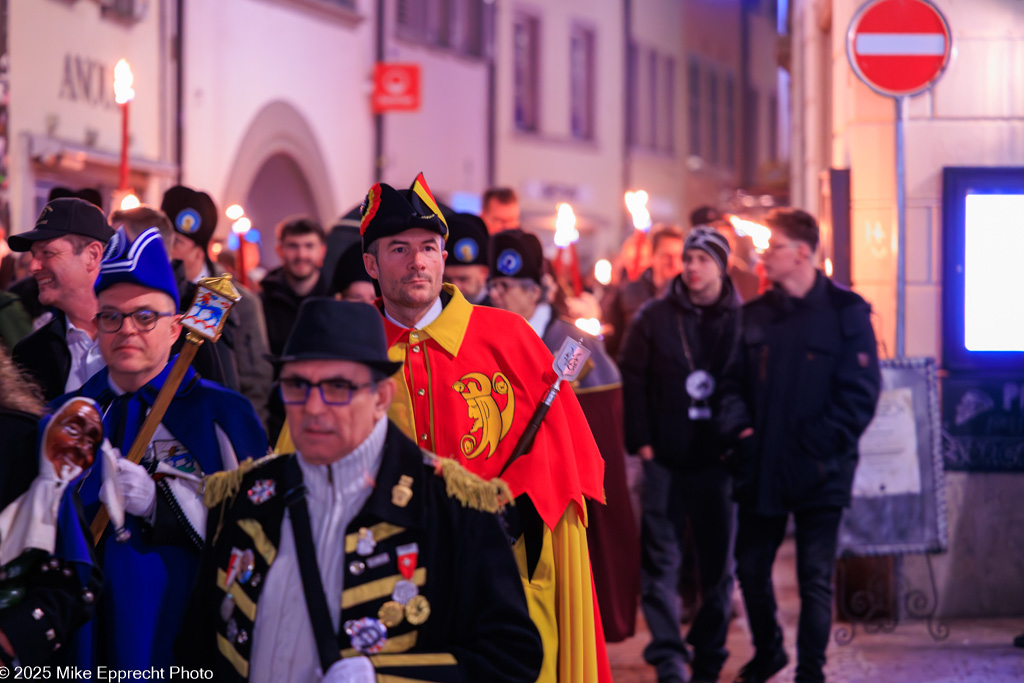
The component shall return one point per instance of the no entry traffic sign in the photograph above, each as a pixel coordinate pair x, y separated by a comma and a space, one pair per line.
899, 47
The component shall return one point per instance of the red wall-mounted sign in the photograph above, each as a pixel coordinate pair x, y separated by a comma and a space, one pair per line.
396, 87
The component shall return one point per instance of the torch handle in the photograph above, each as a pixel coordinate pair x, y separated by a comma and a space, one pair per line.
153, 419
525, 442
123, 180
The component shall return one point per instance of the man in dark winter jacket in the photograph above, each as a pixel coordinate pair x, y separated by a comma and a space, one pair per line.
301, 246
674, 355
804, 388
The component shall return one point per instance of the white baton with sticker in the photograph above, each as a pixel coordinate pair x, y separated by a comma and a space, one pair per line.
570, 359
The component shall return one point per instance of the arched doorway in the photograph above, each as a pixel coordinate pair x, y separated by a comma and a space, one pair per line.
279, 171
279, 190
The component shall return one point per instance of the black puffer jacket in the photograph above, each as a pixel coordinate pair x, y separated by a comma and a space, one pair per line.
807, 380
654, 371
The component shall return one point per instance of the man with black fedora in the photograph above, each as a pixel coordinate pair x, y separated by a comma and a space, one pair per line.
359, 555
472, 378
466, 263
67, 248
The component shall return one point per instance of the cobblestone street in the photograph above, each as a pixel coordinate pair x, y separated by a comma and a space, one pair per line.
976, 650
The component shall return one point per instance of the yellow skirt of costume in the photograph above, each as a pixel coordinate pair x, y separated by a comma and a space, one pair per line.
562, 604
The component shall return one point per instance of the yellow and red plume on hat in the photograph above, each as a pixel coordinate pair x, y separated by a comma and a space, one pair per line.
420, 191
369, 207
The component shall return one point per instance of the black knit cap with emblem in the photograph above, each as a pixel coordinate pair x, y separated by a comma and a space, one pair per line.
467, 240
517, 254
387, 212
193, 214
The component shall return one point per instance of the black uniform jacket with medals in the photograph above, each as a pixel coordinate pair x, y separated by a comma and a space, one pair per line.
478, 628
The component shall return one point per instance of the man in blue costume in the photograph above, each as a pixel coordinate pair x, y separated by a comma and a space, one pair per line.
206, 429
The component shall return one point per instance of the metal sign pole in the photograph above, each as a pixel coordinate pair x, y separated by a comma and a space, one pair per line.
901, 231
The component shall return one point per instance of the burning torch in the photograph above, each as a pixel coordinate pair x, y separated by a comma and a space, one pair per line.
636, 202
123, 95
240, 229
566, 236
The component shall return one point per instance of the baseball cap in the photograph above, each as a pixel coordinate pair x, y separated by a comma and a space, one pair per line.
62, 217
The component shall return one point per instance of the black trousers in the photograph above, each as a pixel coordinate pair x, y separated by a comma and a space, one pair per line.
670, 498
757, 541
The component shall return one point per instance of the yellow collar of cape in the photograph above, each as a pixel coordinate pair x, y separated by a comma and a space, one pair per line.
449, 328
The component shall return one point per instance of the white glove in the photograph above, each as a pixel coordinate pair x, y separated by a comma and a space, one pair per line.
350, 670
137, 488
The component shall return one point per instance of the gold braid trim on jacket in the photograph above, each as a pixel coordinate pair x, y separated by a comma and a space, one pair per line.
472, 490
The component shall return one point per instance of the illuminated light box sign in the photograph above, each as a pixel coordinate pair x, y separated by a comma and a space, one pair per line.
983, 249
993, 248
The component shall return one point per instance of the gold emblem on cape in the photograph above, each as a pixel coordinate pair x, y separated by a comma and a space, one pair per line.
490, 424
401, 493
417, 610
391, 613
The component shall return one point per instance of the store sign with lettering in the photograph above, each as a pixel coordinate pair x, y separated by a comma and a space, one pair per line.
88, 81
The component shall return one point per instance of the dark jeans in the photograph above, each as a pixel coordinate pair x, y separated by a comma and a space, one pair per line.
669, 499
757, 542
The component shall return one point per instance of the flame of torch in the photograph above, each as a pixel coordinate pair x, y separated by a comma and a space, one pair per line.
565, 226
241, 226
130, 201
591, 326
758, 233
636, 202
123, 80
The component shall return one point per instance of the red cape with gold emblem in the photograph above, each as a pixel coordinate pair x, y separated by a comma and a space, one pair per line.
475, 409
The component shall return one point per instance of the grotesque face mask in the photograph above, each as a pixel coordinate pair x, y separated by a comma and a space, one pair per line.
73, 437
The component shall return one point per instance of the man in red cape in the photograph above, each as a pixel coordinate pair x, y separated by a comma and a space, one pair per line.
472, 379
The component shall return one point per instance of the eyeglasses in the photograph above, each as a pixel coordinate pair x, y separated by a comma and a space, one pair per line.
333, 392
145, 319
504, 285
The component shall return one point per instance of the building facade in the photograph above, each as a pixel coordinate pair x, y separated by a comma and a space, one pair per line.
267, 104
275, 107
63, 127
973, 117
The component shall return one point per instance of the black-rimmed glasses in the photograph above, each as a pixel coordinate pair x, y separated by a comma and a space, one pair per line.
144, 319
333, 392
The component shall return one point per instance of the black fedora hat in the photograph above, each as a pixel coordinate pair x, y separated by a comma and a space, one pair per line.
327, 329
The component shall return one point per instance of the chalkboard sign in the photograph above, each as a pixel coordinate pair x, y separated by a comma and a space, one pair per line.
983, 421
898, 502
